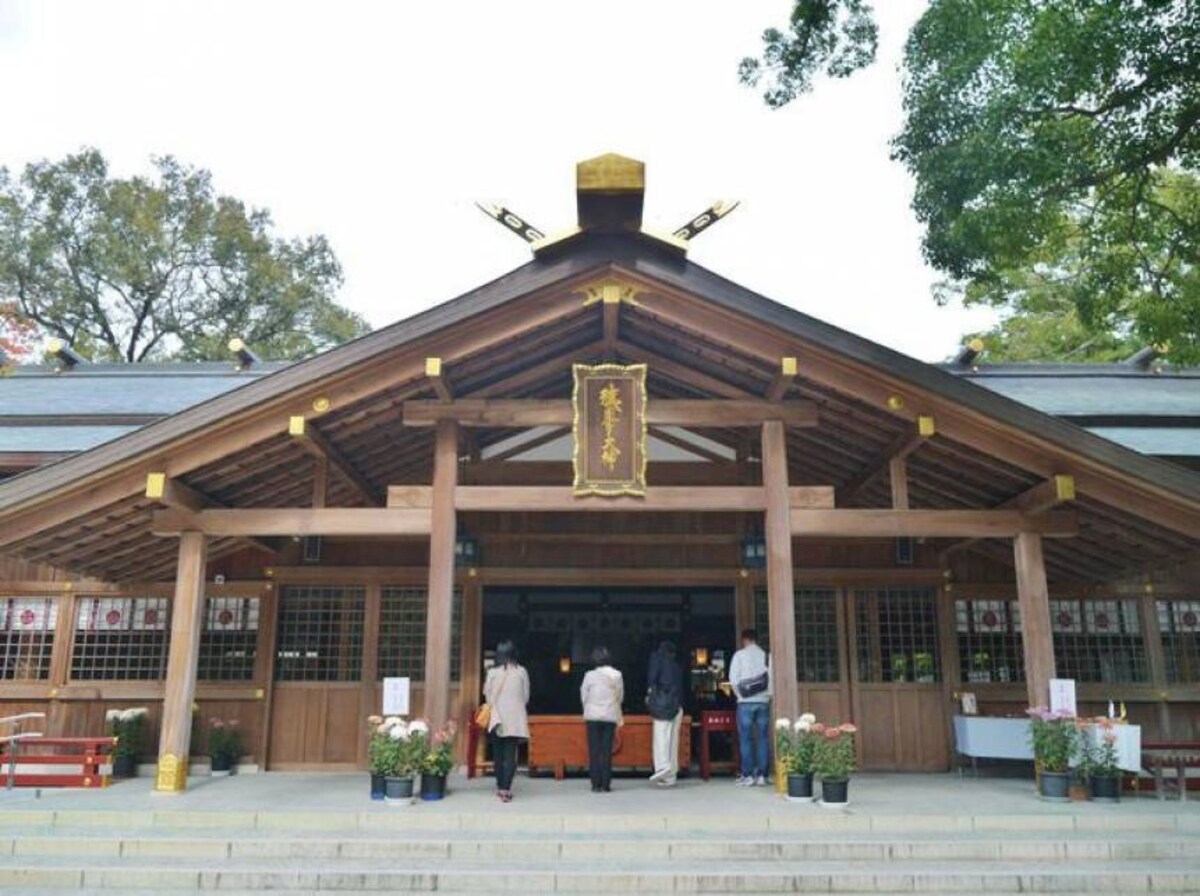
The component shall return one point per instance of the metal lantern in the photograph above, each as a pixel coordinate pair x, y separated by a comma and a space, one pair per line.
754, 551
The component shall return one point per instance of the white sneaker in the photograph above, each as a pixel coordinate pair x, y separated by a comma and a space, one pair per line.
760, 781
660, 774
743, 781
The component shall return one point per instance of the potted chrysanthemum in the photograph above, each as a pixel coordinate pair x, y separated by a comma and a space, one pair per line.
834, 760
795, 745
1054, 737
128, 726
1100, 760
391, 751
224, 745
437, 759
379, 760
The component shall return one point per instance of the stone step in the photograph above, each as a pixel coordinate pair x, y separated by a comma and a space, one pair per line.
809, 877
788, 820
505, 851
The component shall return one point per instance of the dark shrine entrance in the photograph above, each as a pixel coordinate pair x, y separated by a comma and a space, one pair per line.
556, 629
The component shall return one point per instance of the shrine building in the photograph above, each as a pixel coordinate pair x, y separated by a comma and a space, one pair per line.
608, 445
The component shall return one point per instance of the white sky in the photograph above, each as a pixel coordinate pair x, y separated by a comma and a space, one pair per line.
379, 124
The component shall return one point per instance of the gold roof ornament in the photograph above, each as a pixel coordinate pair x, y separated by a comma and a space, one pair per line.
610, 194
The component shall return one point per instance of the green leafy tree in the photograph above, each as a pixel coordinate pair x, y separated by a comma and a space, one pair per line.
1058, 138
144, 269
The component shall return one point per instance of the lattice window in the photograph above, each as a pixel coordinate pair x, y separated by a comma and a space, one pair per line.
817, 637
229, 640
1098, 640
402, 633
1179, 622
320, 633
989, 641
762, 620
27, 638
897, 635
121, 638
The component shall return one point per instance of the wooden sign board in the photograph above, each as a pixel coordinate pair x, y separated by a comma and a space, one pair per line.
609, 403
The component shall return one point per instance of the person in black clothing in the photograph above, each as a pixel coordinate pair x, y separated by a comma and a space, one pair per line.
664, 701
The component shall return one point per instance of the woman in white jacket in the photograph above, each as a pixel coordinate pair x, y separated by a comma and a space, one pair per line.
602, 693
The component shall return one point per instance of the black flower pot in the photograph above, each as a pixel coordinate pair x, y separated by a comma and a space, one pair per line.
398, 789
800, 787
835, 793
222, 765
433, 787
378, 786
124, 766
1055, 787
1106, 788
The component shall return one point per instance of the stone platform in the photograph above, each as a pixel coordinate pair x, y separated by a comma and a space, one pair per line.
314, 833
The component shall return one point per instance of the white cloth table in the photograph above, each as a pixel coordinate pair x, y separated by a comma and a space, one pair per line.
982, 737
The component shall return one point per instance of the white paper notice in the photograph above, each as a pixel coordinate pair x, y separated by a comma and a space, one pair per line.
1062, 695
395, 696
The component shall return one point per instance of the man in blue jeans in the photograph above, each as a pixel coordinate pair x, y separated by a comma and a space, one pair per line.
750, 675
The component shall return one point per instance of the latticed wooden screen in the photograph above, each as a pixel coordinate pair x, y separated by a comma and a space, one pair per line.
989, 640
897, 637
1098, 640
27, 637
402, 615
229, 641
1179, 622
120, 638
320, 636
817, 637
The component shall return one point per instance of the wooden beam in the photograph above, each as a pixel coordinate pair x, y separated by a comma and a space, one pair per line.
520, 413
187, 623
901, 447
657, 498
872, 523
320, 486
173, 493
783, 379
781, 592
1033, 598
441, 574
314, 442
1047, 494
433, 370
289, 521
694, 379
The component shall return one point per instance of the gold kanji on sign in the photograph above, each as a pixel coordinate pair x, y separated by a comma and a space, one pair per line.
610, 429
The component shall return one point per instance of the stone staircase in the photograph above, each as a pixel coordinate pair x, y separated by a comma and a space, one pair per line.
810, 850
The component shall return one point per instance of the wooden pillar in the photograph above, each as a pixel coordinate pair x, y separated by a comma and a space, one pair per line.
1157, 660
187, 621
441, 574
780, 588
898, 473
1033, 595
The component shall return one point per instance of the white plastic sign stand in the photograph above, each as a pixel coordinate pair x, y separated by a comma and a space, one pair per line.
395, 696
1062, 696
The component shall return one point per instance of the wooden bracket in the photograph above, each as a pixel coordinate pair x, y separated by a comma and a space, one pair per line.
783, 379
315, 443
904, 445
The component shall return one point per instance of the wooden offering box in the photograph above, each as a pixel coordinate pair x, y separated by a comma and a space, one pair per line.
560, 742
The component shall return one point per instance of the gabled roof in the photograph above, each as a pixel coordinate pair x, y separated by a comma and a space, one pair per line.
566, 268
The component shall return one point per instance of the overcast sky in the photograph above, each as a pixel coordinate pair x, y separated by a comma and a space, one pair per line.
379, 125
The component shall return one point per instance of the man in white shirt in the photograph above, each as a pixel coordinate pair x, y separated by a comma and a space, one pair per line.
750, 675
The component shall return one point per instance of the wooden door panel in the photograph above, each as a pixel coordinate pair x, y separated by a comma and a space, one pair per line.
876, 724
825, 702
